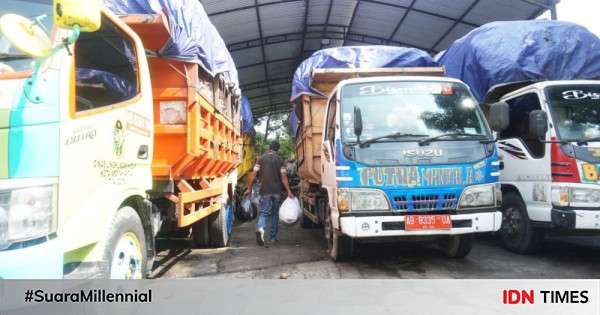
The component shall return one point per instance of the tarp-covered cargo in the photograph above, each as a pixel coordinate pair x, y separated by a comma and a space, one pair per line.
356, 57
247, 119
193, 37
359, 57
539, 50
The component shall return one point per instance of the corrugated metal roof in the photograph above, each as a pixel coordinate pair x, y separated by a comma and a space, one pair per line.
269, 38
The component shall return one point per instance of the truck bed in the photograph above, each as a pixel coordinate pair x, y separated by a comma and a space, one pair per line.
198, 152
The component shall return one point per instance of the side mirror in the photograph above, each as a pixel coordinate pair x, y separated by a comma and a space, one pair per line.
358, 122
85, 15
538, 123
26, 35
499, 116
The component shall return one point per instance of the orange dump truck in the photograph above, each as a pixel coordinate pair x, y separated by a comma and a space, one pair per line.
139, 137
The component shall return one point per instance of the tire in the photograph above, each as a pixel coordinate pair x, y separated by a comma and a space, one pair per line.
125, 247
200, 235
306, 223
340, 247
516, 233
457, 246
217, 229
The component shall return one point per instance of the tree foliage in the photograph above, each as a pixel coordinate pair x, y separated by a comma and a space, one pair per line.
277, 130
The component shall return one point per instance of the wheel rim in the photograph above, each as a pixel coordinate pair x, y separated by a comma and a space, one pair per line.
512, 222
127, 258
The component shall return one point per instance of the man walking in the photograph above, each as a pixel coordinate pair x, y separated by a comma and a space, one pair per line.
273, 180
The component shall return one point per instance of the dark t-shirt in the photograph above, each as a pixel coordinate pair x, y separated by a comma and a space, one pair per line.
270, 166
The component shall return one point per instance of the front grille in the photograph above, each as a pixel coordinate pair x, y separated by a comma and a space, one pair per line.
401, 203
425, 202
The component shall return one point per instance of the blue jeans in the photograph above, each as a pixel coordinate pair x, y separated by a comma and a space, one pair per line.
269, 211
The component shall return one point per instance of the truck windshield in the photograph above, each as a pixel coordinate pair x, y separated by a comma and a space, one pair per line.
575, 111
11, 59
421, 109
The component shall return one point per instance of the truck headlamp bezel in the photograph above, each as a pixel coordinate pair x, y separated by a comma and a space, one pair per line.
478, 196
362, 199
573, 196
28, 210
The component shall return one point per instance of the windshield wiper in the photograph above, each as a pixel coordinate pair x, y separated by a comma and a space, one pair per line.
394, 135
13, 56
456, 136
580, 141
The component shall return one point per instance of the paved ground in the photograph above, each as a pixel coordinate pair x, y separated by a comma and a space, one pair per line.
301, 254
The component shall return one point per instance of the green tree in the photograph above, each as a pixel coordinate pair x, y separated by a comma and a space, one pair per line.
277, 129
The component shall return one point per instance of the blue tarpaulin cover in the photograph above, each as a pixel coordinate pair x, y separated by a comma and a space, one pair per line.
247, 119
119, 88
356, 57
503, 52
363, 57
193, 37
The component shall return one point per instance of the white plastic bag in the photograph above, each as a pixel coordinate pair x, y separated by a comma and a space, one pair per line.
290, 211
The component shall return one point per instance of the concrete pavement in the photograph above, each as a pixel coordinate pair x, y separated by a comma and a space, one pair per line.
301, 254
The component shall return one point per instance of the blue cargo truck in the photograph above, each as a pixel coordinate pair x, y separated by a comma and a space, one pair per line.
390, 149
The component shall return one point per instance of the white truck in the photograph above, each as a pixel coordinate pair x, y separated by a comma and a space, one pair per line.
550, 160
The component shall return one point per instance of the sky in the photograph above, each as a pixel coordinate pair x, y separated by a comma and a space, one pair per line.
583, 12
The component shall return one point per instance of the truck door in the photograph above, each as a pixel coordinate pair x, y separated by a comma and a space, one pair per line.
107, 137
526, 159
328, 147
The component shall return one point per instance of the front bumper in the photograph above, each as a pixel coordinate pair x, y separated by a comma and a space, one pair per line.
393, 225
574, 219
39, 261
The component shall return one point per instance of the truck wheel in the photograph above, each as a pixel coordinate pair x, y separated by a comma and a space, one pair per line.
457, 246
340, 247
306, 223
217, 228
125, 249
200, 234
516, 231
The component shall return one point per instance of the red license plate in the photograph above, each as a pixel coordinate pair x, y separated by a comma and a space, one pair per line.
427, 222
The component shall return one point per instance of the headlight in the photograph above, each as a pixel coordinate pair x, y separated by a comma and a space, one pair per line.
362, 200
575, 196
27, 213
478, 196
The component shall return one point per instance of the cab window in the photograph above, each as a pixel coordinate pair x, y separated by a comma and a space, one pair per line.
331, 120
106, 69
520, 107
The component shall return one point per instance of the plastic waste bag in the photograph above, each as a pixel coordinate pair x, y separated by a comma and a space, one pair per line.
247, 211
248, 207
290, 211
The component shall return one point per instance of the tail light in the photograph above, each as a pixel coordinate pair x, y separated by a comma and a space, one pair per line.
564, 168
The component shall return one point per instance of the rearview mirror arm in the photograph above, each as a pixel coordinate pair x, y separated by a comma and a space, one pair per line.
68, 41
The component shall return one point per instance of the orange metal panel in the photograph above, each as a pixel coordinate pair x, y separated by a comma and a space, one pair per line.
189, 219
152, 29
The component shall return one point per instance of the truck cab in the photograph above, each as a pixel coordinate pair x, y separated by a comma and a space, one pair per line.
69, 156
105, 144
550, 155
407, 157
